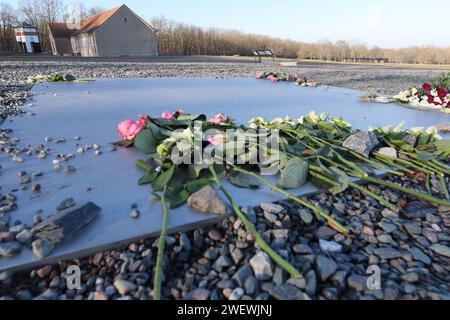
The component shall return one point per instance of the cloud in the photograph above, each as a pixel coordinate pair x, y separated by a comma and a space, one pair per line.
374, 17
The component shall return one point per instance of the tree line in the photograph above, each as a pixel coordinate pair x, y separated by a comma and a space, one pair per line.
177, 38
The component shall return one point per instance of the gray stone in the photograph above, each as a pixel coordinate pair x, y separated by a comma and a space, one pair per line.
10, 249
419, 210
357, 282
420, 256
199, 294
236, 294
413, 229
302, 249
325, 233
207, 201
285, 292
65, 204
4, 220
185, 243
389, 214
262, 266
325, 267
271, 208
242, 275
124, 287
251, 285
65, 224
306, 216
135, 213
69, 77
42, 248
388, 227
411, 277
330, 246
385, 238
440, 249
387, 253
362, 142
24, 236
388, 152
311, 283
222, 263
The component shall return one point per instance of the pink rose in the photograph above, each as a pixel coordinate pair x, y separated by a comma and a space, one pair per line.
218, 119
217, 140
258, 76
128, 129
167, 116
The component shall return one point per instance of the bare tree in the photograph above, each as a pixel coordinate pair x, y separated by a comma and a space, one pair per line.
8, 17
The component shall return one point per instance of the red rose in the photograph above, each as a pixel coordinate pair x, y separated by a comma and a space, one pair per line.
427, 87
442, 93
430, 98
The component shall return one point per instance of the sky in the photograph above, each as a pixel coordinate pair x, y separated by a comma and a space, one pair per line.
384, 23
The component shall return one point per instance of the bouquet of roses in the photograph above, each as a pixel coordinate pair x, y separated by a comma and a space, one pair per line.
282, 76
433, 95
325, 151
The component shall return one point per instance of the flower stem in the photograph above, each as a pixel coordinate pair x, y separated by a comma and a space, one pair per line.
161, 245
419, 195
369, 193
336, 225
252, 230
444, 188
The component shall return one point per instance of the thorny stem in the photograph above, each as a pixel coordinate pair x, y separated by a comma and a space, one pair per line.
161, 245
252, 230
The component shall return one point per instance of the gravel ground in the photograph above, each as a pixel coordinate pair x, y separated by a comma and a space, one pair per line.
222, 262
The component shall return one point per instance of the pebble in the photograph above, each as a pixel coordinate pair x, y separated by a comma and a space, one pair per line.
325, 267
70, 169
135, 214
66, 204
36, 187
262, 266
325, 233
44, 271
42, 248
251, 285
10, 249
236, 294
419, 255
271, 208
330, 246
24, 236
215, 235
200, 294
357, 282
306, 216
387, 253
124, 287
441, 249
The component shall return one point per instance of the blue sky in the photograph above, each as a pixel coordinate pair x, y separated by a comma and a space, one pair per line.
386, 23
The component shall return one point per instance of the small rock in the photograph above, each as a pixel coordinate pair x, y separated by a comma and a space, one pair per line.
362, 142
215, 235
440, 249
207, 201
325, 233
389, 214
200, 294
124, 287
222, 263
418, 210
420, 256
24, 236
329, 246
236, 294
36, 187
10, 249
42, 248
70, 169
135, 214
387, 253
357, 282
242, 275
388, 152
325, 267
262, 266
66, 204
251, 285
271, 208
306, 216
25, 180
44, 271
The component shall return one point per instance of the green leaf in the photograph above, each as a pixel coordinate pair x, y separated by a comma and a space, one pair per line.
148, 178
146, 142
425, 156
163, 179
294, 174
244, 181
342, 179
196, 185
148, 165
177, 199
443, 147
